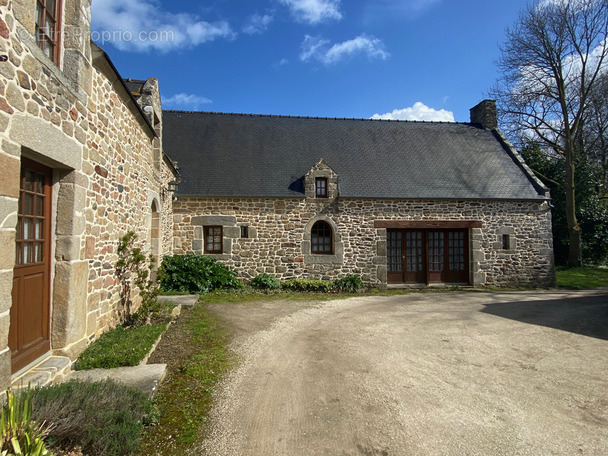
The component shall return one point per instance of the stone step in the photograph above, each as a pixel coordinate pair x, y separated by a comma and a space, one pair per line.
50, 370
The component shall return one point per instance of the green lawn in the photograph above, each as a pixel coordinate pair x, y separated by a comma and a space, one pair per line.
580, 278
120, 347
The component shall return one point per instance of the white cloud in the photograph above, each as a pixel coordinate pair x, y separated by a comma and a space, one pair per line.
314, 11
258, 24
185, 101
419, 111
142, 26
316, 48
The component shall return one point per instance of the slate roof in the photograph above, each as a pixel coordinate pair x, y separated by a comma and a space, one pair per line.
233, 155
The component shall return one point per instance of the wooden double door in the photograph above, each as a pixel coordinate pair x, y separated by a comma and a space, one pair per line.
428, 256
29, 328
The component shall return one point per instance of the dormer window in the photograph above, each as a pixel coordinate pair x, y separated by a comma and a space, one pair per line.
47, 27
321, 187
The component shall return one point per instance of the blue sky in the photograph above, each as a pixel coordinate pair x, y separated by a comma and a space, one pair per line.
411, 59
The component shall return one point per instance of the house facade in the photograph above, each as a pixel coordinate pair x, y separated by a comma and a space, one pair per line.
414, 203
85, 159
82, 164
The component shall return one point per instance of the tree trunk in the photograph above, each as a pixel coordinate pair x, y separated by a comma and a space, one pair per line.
575, 257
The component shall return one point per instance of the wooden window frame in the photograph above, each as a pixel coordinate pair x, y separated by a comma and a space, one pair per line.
42, 16
314, 246
21, 237
318, 188
444, 255
209, 248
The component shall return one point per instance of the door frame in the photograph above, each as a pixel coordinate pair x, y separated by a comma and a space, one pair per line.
21, 356
403, 226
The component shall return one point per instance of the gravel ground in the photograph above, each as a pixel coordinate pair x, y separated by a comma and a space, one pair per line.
517, 373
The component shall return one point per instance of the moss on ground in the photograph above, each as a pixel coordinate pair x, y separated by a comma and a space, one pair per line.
195, 349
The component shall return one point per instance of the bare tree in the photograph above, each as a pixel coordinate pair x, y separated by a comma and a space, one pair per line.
550, 63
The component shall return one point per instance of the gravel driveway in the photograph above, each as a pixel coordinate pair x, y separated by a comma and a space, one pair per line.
423, 374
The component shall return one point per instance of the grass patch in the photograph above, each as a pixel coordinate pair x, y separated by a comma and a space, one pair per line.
102, 418
196, 351
120, 347
580, 278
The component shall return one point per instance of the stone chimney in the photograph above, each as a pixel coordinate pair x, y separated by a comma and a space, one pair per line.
484, 115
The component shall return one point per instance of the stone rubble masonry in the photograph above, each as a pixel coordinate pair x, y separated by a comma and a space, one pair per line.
78, 120
281, 227
122, 188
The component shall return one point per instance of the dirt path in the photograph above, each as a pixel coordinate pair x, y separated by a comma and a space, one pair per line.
449, 374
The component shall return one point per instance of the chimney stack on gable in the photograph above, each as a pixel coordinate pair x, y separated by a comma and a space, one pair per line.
484, 115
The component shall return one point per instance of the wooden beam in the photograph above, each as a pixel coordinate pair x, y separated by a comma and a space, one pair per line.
428, 224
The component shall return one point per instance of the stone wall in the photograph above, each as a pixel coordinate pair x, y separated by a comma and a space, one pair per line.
125, 194
43, 116
279, 236
78, 119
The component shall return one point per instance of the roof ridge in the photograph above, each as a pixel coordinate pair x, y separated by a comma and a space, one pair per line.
283, 116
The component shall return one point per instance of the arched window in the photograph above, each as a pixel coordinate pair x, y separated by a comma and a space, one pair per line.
154, 232
321, 238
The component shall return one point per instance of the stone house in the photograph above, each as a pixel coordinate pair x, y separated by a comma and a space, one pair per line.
395, 202
84, 159
82, 164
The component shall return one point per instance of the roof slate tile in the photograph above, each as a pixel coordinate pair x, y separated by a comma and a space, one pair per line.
232, 155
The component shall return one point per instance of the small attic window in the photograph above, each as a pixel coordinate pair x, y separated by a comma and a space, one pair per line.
321, 187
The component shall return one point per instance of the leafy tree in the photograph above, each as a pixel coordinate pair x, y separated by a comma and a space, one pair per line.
551, 63
592, 211
596, 134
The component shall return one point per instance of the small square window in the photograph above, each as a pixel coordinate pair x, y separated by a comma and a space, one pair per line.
244, 232
213, 239
321, 187
506, 242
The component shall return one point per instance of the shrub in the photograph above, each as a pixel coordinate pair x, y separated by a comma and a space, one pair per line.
104, 418
265, 282
196, 274
312, 285
351, 283
20, 434
134, 268
120, 347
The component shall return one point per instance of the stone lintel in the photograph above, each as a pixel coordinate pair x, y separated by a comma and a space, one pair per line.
214, 220
46, 143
